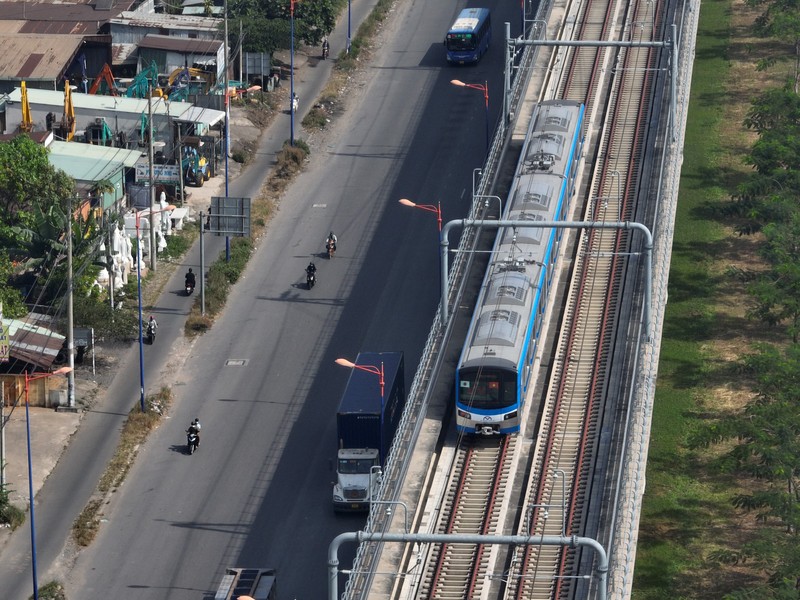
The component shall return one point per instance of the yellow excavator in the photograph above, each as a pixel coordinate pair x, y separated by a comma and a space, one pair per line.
27, 122
66, 129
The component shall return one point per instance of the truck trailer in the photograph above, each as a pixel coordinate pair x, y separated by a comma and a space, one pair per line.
366, 423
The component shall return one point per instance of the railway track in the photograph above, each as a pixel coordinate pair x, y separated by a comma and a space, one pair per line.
555, 490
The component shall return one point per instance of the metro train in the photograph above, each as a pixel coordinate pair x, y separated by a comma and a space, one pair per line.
494, 371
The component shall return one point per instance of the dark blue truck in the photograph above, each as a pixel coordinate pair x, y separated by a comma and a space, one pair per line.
366, 423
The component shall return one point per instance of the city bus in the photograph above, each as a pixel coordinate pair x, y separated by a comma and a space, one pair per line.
469, 37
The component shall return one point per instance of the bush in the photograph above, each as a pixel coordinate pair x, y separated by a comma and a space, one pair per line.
119, 324
178, 244
52, 591
9, 514
316, 118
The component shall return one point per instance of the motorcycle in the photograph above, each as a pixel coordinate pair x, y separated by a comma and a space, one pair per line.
311, 279
189, 288
151, 333
325, 50
331, 247
191, 441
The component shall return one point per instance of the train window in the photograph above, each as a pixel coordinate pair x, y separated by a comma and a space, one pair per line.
487, 388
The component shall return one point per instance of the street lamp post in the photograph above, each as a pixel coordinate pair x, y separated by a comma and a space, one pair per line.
482, 88
343, 362
429, 207
28, 379
291, 74
139, 290
348, 26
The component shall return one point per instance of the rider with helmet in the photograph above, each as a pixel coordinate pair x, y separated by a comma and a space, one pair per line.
330, 242
194, 428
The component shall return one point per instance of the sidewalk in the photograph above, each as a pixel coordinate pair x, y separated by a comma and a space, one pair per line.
52, 430
82, 453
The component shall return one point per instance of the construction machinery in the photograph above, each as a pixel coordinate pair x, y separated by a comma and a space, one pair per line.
105, 79
186, 81
27, 122
196, 167
143, 81
66, 129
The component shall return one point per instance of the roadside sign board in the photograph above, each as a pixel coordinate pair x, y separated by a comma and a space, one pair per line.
229, 217
161, 173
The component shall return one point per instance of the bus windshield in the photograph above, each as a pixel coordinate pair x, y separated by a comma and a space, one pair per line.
461, 41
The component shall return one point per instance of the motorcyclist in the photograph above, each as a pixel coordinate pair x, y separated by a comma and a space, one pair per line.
152, 325
190, 278
295, 101
194, 428
311, 269
325, 48
331, 239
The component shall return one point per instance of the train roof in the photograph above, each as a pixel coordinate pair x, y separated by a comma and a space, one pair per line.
514, 281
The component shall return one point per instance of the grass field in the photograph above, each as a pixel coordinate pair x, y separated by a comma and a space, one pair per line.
687, 512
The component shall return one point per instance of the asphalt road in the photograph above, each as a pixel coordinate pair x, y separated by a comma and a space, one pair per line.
257, 493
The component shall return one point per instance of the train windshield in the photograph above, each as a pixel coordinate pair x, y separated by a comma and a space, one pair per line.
487, 388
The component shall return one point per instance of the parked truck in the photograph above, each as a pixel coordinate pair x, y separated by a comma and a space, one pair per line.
258, 584
366, 423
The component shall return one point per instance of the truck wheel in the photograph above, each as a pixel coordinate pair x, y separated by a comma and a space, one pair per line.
198, 179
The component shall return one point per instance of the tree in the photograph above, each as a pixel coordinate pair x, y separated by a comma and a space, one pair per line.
776, 292
28, 182
775, 116
781, 20
767, 449
33, 203
10, 297
267, 27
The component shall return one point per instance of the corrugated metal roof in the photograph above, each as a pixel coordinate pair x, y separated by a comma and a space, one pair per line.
201, 10
84, 168
178, 44
36, 56
123, 53
98, 153
163, 21
11, 26
91, 103
208, 116
33, 344
56, 18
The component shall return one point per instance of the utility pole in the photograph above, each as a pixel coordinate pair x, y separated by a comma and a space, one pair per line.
181, 189
152, 176
110, 264
227, 126
70, 331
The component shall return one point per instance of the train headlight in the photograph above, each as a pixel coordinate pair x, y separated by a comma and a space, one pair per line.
511, 415
464, 414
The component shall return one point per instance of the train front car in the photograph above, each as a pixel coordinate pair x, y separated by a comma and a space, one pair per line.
494, 372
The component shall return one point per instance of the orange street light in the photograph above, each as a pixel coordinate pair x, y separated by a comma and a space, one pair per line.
429, 207
481, 88
343, 362
28, 379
